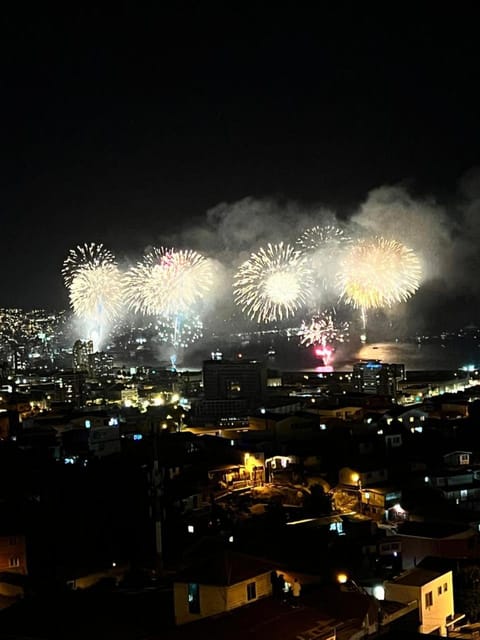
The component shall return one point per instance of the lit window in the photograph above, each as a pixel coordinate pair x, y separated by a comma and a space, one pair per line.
193, 597
251, 591
14, 561
88, 424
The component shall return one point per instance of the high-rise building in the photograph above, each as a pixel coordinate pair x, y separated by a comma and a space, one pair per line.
226, 380
100, 364
81, 355
377, 378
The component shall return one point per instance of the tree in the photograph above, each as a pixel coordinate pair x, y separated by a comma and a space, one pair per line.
467, 592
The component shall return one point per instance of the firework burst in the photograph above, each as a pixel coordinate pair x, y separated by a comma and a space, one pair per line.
179, 331
322, 330
326, 237
273, 283
96, 293
85, 256
324, 246
378, 273
168, 282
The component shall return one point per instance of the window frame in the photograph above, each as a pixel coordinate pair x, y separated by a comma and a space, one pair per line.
429, 599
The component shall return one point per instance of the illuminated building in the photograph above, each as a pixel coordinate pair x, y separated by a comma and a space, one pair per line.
377, 378
81, 355
218, 583
433, 591
100, 364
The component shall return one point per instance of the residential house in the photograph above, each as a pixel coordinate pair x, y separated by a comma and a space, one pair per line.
458, 458
382, 503
13, 560
219, 583
362, 476
411, 418
457, 480
348, 413
433, 592
443, 539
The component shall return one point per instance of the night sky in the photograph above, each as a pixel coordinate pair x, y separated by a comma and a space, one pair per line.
120, 126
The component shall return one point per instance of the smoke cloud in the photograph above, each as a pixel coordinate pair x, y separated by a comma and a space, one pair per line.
445, 236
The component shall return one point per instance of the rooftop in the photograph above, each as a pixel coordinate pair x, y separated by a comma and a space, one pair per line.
432, 529
417, 577
224, 568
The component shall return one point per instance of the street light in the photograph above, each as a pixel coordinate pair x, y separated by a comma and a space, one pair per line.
356, 479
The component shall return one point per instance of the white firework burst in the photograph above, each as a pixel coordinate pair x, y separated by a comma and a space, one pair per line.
85, 256
273, 283
168, 282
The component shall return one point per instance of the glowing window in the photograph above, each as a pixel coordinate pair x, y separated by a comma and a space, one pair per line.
193, 597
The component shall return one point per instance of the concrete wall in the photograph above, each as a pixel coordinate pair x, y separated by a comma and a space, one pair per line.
84, 582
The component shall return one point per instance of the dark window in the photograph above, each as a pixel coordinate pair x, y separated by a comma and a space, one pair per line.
445, 586
439, 590
429, 599
193, 597
251, 591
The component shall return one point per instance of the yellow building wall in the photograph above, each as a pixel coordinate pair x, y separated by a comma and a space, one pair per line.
433, 617
217, 599
237, 593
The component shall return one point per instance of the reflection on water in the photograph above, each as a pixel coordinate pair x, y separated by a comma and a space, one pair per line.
327, 369
289, 355
427, 356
